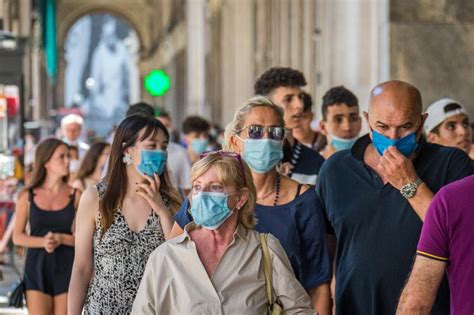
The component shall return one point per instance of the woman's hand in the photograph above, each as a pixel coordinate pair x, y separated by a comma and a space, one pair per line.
52, 241
150, 191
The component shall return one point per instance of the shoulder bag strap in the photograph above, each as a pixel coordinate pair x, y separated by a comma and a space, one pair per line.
267, 267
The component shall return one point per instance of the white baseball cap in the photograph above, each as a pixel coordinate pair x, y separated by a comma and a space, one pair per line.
437, 113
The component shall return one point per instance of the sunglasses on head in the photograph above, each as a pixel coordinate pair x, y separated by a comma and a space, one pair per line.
228, 154
258, 131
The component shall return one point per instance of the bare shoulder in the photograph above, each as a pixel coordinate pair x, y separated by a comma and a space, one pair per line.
292, 185
23, 195
288, 183
305, 188
90, 195
89, 202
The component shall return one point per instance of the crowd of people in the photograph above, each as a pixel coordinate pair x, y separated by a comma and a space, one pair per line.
277, 213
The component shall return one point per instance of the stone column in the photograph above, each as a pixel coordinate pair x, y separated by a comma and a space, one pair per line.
353, 49
196, 58
238, 55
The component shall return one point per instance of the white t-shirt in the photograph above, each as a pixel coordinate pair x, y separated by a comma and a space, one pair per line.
179, 166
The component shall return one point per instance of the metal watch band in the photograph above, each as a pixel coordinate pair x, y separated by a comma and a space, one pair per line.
409, 190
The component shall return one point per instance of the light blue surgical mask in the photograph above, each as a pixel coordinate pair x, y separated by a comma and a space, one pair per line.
210, 209
341, 143
406, 145
152, 162
199, 145
262, 155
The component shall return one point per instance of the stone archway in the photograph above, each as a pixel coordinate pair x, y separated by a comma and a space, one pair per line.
101, 76
68, 20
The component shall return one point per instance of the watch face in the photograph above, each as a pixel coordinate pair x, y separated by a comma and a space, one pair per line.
409, 190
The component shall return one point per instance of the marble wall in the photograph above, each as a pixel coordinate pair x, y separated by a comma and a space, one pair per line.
432, 46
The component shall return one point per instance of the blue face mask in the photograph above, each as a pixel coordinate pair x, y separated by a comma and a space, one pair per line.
199, 145
210, 209
262, 154
152, 161
341, 143
406, 145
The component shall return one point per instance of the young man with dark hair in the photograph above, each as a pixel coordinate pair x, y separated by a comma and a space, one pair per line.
341, 121
195, 136
283, 87
448, 124
304, 133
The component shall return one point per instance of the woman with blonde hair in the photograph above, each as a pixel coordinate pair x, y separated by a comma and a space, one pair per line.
122, 220
216, 266
285, 208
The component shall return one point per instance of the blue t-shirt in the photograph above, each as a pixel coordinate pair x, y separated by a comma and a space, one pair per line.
377, 230
299, 227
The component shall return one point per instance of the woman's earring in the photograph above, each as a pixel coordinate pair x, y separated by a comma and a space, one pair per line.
127, 159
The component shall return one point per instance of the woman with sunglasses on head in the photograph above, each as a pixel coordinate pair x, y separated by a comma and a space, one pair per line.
48, 204
284, 207
90, 171
217, 265
122, 220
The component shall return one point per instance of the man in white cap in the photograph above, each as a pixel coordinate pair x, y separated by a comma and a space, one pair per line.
448, 124
71, 127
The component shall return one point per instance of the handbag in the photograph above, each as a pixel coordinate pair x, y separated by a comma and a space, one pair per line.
275, 307
16, 298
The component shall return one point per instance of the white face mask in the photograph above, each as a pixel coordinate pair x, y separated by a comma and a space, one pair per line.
74, 166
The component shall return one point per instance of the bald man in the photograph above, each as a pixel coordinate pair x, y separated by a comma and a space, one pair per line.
375, 197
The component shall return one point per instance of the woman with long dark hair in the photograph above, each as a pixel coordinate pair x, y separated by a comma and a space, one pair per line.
90, 171
122, 220
48, 204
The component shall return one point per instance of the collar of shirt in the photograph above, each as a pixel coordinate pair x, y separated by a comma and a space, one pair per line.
241, 232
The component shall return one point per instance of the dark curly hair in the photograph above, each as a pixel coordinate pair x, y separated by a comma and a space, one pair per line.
338, 95
277, 77
307, 102
195, 124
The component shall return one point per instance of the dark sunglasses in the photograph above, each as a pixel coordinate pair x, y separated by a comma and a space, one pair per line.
228, 154
258, 131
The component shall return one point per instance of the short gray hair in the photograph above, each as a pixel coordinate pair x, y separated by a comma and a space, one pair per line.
236, 125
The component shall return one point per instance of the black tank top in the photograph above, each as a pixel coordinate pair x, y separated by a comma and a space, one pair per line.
58, 221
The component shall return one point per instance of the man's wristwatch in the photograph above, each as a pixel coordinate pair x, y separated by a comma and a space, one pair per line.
409, 190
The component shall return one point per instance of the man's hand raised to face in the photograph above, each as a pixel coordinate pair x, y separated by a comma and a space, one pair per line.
397, 169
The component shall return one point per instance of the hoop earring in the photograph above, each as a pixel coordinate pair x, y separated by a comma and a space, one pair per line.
127, 159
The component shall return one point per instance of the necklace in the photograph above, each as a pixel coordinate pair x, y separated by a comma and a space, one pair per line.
277, 189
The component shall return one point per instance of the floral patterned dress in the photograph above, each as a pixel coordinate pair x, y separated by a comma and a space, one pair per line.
120, 256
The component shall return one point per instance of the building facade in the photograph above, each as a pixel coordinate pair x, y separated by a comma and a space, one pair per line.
214, 49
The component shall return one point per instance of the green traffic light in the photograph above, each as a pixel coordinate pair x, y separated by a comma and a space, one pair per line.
157, 83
